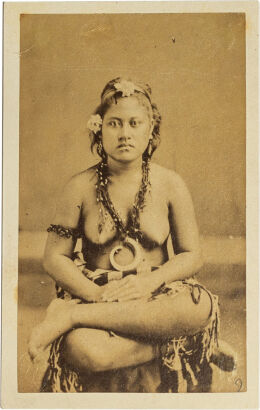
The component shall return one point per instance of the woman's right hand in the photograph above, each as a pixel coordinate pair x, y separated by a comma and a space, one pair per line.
107, 289
131, 287
100, 291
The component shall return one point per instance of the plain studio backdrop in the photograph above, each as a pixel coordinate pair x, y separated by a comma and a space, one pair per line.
195, 64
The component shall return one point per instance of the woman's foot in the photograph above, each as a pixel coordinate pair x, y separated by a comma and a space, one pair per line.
58, 320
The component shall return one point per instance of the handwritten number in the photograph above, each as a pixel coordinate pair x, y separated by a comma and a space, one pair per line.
239, 384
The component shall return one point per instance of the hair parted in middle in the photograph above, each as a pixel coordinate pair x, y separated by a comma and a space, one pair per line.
112, 92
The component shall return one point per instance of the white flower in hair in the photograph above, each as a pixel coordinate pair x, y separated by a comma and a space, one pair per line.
126, 87
94, 123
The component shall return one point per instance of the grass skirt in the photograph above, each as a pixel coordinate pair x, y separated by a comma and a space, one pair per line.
183, 366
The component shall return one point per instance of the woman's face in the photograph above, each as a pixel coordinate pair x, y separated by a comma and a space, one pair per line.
126, 129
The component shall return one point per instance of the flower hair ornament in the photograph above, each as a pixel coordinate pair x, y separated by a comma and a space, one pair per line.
127, 88
94, 123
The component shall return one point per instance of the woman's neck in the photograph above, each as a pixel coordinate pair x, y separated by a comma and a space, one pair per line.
124, 168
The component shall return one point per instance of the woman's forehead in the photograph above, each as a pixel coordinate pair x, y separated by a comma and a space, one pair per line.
127, 106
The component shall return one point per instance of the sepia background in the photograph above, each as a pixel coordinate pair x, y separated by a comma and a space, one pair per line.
195, 64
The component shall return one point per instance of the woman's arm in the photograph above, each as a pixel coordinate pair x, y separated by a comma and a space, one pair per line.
184, 232
58, 251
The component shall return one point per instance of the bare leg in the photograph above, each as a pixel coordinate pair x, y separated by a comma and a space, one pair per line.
51, 327
96, 350
177, 316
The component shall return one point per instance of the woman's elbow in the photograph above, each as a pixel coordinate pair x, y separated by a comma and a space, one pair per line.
47, 264
51, 267
54, 262
50, 263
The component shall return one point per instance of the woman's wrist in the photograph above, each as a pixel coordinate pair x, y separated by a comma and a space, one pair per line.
74, 316
152, 281
95, 294
158, 278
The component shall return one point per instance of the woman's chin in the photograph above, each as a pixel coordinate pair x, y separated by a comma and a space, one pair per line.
125, 157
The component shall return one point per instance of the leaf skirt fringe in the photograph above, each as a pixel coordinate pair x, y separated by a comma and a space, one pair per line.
184, 364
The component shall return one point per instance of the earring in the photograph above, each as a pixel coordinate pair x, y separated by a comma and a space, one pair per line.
150, 148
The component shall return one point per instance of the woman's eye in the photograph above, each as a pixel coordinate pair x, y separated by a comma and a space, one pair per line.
113, 123
134, 123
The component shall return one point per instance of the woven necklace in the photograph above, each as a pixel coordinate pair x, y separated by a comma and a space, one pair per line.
132, 229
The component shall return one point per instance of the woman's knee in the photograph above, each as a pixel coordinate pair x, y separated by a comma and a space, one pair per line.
193, 310
83, 351
203, 309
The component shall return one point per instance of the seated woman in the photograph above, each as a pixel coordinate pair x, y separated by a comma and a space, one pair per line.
126, 303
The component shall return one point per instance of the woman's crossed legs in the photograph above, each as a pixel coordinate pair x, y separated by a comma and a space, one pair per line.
97, 350
89, 347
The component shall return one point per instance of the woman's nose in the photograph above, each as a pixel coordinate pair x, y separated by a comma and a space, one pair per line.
125, 132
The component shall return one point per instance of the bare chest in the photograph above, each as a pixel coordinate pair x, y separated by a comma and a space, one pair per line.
153, 217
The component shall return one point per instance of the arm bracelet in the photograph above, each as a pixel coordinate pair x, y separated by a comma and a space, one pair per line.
64, 232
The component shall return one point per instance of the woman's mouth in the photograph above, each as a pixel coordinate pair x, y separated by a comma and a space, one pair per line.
125, 146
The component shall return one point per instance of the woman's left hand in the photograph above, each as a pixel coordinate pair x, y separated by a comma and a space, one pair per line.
128, 288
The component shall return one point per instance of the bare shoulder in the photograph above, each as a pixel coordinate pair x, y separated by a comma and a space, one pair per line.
72, 196
79, 183
171, 182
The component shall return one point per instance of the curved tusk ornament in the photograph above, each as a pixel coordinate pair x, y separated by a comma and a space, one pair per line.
135, 249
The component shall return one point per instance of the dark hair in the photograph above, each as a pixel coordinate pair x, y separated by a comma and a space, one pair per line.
143, 93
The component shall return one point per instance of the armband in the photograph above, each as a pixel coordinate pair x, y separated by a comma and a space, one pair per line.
64, 232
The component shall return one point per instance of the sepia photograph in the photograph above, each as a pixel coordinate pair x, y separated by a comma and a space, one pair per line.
132, 195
